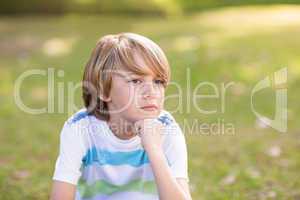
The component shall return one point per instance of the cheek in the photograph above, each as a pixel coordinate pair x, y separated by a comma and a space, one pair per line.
125, 96
162, 96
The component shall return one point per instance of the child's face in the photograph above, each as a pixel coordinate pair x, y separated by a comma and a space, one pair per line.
131, 92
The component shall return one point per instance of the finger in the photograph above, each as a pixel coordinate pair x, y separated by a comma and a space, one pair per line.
139, 131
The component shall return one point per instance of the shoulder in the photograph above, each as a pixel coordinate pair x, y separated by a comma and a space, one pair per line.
172, 129
76, 129
174, 143
166, 118
171, 125
77, 125
81, 116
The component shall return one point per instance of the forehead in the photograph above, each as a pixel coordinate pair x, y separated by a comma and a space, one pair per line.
127, 74
141, 68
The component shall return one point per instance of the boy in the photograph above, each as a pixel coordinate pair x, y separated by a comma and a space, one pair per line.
123, 144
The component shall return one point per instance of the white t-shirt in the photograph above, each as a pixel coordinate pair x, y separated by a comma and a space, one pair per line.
104, 166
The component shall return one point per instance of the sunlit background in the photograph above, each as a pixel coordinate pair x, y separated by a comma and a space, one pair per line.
212, 41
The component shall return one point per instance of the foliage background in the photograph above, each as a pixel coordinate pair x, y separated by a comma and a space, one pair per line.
219, 41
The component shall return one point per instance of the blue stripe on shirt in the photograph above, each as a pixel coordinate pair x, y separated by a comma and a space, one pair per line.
135, 158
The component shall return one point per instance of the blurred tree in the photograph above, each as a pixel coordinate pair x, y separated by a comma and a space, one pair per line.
120, 6
162, 7
32, 6
196, 5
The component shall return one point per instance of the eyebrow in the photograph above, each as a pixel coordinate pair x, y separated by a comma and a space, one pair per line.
128, 75
131, 73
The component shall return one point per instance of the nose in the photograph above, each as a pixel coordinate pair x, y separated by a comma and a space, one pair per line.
149, 90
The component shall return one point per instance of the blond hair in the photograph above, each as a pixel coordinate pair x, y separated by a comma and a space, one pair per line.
111, 53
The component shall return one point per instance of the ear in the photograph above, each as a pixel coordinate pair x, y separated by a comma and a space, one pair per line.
105, 99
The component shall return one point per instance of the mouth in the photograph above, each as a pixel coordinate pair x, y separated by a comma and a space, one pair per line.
151, 107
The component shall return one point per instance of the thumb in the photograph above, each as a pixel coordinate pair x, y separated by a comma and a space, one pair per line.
138, 126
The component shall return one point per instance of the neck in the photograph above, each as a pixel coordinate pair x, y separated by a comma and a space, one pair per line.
121, 128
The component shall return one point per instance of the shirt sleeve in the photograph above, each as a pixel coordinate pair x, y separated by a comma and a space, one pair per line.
176, 151
71, 152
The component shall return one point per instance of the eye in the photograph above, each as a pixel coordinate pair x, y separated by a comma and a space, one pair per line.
158, 81
135, 81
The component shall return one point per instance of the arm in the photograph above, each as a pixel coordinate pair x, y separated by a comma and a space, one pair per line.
168, 186
62, 190
185, 186
68, 163
165, 176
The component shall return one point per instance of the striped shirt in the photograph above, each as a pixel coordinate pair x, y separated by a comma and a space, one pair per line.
103, 166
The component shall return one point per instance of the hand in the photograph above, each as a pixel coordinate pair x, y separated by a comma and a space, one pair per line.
150, 131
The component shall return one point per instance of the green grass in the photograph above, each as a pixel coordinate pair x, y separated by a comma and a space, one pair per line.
242, 45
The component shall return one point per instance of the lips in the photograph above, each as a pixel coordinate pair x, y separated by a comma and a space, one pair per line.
150, 106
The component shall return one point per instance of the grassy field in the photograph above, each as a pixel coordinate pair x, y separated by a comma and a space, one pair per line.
241, 45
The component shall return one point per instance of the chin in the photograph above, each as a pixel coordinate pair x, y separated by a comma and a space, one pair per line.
150, 114
140, 115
